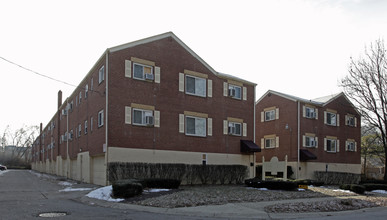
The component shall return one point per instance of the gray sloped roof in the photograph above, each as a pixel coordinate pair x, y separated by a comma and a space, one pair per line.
318, 101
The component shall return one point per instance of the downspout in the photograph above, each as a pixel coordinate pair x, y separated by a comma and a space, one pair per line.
106, 116
298, 139
254, 153
67, 142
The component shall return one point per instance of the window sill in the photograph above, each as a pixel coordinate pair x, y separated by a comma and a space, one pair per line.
205, 96
193, 135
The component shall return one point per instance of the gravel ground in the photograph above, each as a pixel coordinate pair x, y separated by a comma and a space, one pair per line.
189, 196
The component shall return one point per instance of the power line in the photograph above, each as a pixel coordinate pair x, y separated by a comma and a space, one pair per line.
48, 77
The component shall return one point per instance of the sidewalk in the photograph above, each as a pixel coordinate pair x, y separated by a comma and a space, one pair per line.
249, 210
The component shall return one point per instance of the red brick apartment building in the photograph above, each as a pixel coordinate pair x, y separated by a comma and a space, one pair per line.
153, 101
316, 135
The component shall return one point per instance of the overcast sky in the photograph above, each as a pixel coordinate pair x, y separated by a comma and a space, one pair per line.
297, 47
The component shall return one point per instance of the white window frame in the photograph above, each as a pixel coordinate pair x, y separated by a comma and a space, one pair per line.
330, 121
310, 141
310, 112
232, 128
143, 74
351, 146
271, 114
351, 120
144, 114
101, 75
328, 146
100, 118
86, 90
196, 133
196, 92
86, 127
271, 142
230, 87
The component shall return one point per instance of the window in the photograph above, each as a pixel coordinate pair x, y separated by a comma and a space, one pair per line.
101, 75
86, 90
91, 84
195, 86
79, 130
234, 128
234, 91
310, 141
270, 115
86, 127
100, 118
142, 72
71, 134
80, 97
142, 117
331, 118
350, 120
195, 126
270, 143
351, 146
310, 112
331, 145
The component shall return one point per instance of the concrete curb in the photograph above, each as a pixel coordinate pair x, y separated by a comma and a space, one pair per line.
249, 210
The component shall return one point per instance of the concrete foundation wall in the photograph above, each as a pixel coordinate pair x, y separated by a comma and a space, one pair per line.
117, 154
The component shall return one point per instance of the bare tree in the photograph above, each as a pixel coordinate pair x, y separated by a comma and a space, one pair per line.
16, 144
366, 86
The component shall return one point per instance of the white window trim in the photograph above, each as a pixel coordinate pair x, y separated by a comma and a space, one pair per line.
101, 75
231, 86
142, 113
272, 140
272, 113
86, 127
336, 145
100, 118
233, 125
315, 141
313, 112
195, 94
143, 74
196, 135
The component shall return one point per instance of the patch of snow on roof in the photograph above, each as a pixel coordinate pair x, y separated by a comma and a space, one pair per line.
325, 99
379, 191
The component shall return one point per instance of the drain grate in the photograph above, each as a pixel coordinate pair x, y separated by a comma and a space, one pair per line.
52, 214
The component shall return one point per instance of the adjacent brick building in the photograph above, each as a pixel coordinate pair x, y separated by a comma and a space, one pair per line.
316, 135
152, 101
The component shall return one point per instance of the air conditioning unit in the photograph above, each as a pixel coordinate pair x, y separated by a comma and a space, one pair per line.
149, 76
231, 92
149, 120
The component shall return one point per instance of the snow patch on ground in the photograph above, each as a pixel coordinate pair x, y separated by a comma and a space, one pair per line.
155, 190
69, 189
64, 183
103, 193
4, 171
342, 190
379, 191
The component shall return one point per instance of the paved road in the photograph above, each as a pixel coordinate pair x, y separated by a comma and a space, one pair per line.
25, 194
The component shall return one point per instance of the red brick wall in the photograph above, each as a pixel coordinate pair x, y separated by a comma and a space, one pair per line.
288, 137
172, 59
